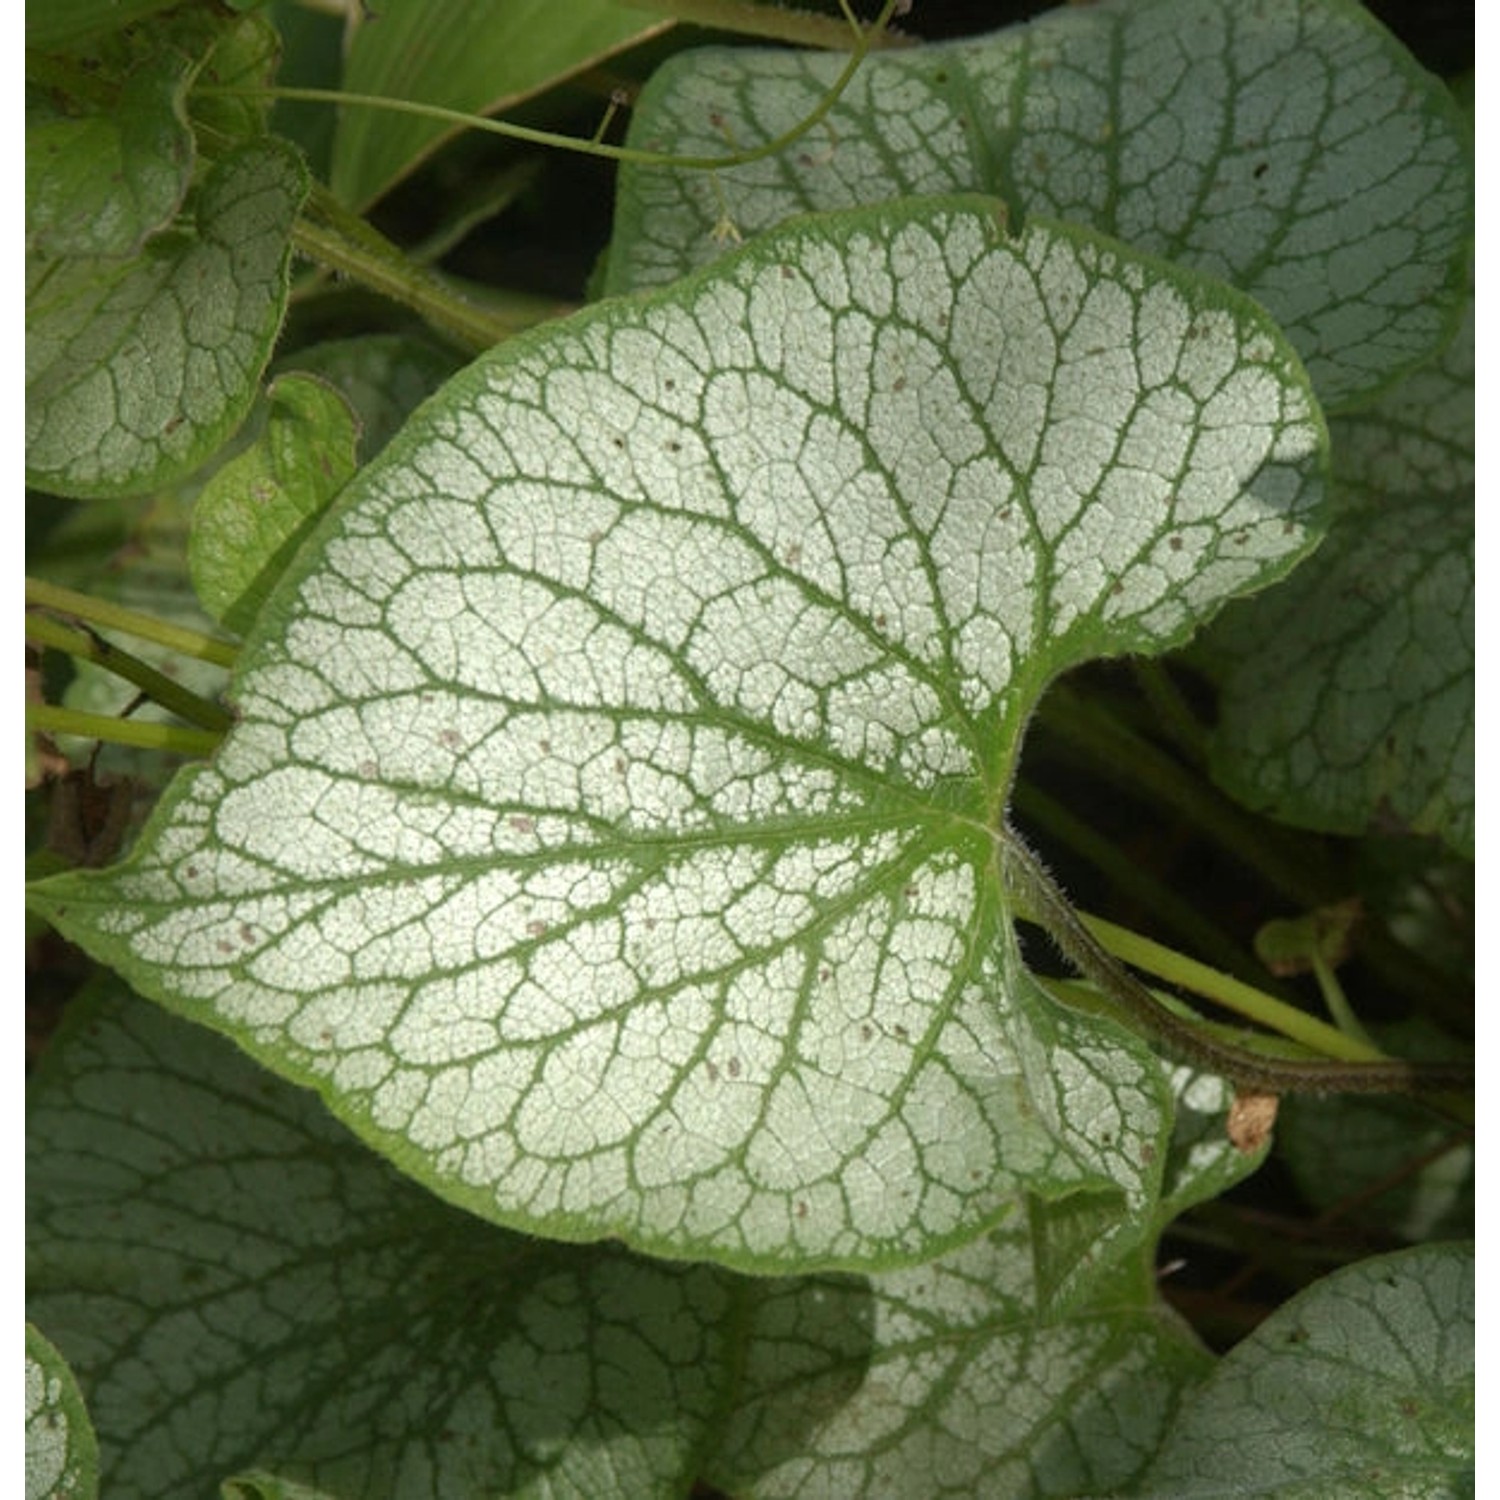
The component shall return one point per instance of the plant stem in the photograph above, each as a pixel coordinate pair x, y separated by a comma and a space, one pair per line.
329, 234
101, 612
1037, 899
196, 743
87, 646
857, 53
1291, 864
1233, 994
1335, 998
1182, 916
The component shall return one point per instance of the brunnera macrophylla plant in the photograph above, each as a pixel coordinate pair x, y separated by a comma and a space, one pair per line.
567, 1028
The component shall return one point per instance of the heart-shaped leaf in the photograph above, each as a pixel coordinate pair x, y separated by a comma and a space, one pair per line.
1292, 149
611, 827
953, 1386
383, 377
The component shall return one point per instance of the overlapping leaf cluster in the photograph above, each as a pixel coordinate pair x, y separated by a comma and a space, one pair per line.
612, 831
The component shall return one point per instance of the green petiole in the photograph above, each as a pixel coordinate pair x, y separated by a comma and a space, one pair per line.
140, 733
1233, 994
87, 646
144, 627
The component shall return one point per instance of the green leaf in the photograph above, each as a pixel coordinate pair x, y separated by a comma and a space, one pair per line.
1202, 1161
1362, 1385
611, 827
950, 1384
1292, 149
245, 56
384, 377
1349, 700
99, 181
247, 1290
1387, 1164
62, 24
242, 1288
1078, 1243
263, 1486
137, 370
466, 55
62, 1457
254, 512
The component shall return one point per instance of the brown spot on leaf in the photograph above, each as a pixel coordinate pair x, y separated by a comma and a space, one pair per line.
1251, 1118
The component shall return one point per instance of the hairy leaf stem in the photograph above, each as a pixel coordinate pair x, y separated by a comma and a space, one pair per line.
328, 233
1182, 916
1039, 900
